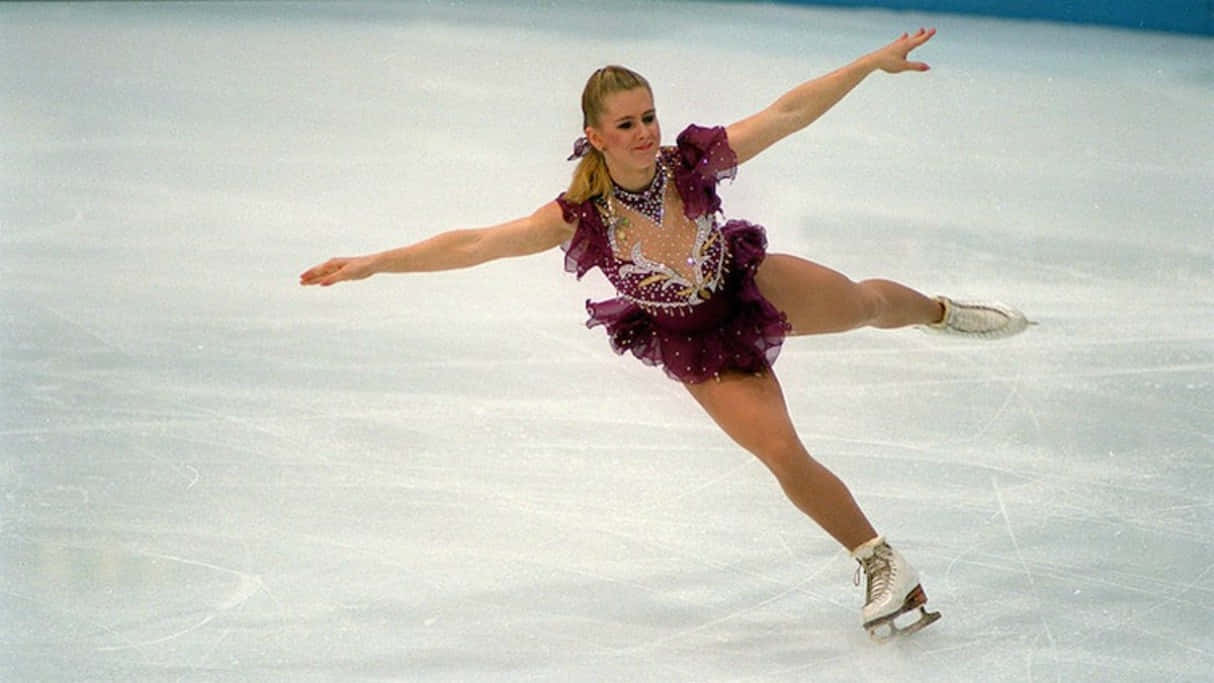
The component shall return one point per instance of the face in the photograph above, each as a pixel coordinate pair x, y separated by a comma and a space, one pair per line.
628, 132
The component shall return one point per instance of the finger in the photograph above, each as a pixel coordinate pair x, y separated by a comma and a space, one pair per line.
315, 273
336, 275
317, 268
310, 274
919, 40
331, 266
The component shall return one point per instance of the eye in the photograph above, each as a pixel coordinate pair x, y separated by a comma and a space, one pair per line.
625, 125
649, 118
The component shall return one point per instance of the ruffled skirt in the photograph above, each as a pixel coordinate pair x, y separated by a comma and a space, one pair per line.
737, 329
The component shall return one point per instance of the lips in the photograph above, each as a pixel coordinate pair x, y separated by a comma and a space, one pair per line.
644, 148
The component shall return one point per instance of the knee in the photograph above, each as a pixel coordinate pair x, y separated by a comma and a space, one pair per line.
872, 300
784, 456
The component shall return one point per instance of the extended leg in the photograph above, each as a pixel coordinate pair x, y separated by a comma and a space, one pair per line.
818, 300
752, 411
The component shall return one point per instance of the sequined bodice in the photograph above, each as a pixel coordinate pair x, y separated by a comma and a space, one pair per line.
671, 258
670, 266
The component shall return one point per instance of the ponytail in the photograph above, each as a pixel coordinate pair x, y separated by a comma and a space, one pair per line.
590, 178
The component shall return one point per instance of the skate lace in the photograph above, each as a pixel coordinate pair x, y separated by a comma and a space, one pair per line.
878, 569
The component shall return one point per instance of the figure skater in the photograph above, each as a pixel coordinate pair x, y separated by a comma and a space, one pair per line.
699, 297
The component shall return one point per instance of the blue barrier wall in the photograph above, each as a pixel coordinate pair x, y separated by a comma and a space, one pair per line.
1187, 16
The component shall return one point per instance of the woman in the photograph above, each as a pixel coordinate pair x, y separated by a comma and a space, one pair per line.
700, 298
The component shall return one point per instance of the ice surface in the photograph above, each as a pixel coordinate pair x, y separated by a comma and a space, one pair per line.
209, 473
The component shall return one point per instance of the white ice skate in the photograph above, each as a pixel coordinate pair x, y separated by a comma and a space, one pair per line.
985, 320
893, 590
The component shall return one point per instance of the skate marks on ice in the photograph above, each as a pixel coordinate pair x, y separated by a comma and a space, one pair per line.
1028, 573
1045, 504
247, 586
109, 613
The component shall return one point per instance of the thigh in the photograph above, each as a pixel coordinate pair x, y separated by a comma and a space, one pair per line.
751, 409
815, 298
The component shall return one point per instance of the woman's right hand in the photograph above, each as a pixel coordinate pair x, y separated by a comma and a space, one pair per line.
338, 270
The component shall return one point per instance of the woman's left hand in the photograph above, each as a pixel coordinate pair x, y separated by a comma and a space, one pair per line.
893, 57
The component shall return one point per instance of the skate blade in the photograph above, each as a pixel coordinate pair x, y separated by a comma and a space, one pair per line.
886, 628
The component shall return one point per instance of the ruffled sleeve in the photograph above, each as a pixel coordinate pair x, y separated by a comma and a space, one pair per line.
587, 248
703, 158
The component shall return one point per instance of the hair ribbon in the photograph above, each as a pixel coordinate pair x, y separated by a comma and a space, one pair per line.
580, 147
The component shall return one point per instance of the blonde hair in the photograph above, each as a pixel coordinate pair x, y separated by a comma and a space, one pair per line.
590, 178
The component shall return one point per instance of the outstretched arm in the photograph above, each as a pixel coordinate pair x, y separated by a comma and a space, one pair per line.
802, 105
542, 230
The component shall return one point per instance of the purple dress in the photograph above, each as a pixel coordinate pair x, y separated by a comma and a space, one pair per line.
687, 294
